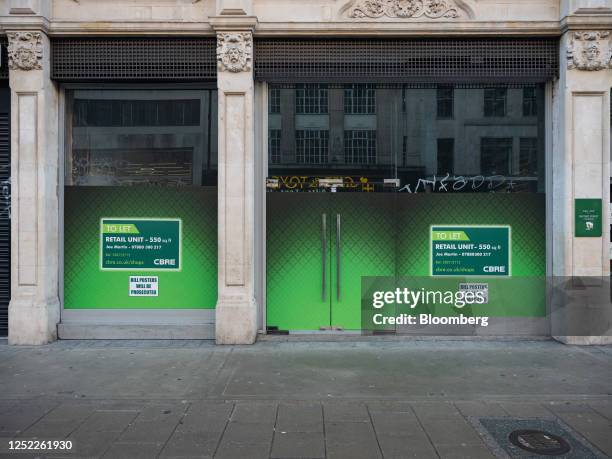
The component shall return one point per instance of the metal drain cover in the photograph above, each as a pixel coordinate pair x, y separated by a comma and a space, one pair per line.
539, 442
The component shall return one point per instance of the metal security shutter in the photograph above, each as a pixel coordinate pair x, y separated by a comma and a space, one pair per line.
3, 59
5, 210
133, 59
489, 60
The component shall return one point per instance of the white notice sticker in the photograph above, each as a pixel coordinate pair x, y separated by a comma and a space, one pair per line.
144, 285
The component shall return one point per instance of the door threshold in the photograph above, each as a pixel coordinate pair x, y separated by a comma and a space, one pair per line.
316, 335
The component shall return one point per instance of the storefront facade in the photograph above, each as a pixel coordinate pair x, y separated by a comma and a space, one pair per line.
219, 170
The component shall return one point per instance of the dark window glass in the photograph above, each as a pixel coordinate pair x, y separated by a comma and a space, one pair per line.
446, 156
530, 102
103, 112
414, 137
528, 156
496, 155
274, 145
360, 147
495, 100
359, 99
274, 100
445, 99
121, 137
311, 98
312, 146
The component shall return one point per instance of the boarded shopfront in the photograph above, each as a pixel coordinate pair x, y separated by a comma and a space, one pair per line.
367, 154
233, 168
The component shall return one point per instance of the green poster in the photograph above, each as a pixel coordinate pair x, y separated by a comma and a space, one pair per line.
140, 244
470, 250
161, 252
587, 217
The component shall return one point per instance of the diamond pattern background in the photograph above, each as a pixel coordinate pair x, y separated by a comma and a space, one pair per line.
88, 287
385, 234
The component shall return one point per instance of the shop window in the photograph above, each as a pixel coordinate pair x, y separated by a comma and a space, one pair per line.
274, 100
113, 141
414, 147
360, 99
311, 99
445, 102
446, 156
495, 155
530, 102
274, 145
495, 101
360, 147
140, 199
528, 156
312, 146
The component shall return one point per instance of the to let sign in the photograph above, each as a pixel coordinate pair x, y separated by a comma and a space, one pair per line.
470, 250
140, 244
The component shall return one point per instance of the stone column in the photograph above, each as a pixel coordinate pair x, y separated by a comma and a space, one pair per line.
236, 314
581, 168
34, 309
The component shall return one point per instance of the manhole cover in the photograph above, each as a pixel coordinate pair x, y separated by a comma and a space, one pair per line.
539, 442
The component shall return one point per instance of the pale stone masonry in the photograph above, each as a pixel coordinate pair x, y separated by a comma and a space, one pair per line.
578, 138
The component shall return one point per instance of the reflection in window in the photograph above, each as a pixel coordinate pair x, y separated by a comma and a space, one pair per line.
409, 136
528, 156
103, 112
312, 146
141, 137
530, 101
274, 100
359, 99
311, 98
446, 156
495, 155
274, 145
360, 147
445, 99
495, 101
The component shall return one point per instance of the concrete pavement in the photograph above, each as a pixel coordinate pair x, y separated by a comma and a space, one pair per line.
378, 398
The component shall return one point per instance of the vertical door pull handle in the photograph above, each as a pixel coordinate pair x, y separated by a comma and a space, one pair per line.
339, 254
324, 255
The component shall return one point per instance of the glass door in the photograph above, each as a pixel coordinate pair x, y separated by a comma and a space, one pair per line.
331, 182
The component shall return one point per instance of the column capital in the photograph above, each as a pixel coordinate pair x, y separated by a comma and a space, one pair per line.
589, 50
234, 51
25, 50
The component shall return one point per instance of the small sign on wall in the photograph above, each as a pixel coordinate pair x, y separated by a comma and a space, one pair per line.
144, 286
587, 221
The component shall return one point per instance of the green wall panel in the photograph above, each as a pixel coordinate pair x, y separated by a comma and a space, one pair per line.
86, 286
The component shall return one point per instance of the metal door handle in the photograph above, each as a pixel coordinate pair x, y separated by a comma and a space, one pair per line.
338, 255
324, 255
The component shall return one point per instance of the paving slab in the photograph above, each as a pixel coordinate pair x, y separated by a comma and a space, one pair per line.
285, 400
298, 445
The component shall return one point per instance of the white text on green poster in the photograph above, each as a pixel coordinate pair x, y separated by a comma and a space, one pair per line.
470, 250
140, 244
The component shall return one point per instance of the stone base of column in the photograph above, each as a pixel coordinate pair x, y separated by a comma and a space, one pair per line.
32, 322
236, 321
584, 340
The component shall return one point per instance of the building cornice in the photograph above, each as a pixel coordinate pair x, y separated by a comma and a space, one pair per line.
584, 21
587, 20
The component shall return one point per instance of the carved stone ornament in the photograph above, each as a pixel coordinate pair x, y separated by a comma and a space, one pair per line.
234, 51
25, 50
589, 51
432, 9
